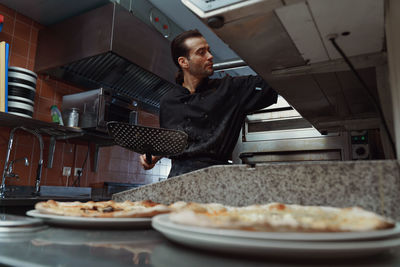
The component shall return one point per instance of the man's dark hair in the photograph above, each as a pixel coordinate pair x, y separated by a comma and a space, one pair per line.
179, 49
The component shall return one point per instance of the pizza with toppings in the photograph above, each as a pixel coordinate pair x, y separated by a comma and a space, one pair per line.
273, 217
278, 217
103, 209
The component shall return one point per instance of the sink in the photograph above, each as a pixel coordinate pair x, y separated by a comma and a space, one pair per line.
20, 199
48, 192
23, 196
31, 197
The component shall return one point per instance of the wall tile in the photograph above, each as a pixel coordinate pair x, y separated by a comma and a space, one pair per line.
8, 25
55, 180
4, 133
58, 156
7, 11
58, 98
31, 65
47, 89
148, 119
42, 116
81, 155
32, 52
62, 88
23, 171
45, 105
5, 37
19, 47
24, 19
74, 89
22, 31
68, 155
115, 163
37, 25
133, 167
18, 61
34, 35
23, 138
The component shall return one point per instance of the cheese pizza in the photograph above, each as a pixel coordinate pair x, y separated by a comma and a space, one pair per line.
273, 217
278, 217
103, 209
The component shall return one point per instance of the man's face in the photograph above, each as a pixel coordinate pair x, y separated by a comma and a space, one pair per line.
200, 60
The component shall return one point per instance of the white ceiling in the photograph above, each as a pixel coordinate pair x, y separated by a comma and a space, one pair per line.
311, 23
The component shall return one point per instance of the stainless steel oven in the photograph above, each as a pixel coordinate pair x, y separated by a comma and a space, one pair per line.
99, 106
280, 134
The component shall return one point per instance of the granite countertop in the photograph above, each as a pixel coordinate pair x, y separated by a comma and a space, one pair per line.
372, 185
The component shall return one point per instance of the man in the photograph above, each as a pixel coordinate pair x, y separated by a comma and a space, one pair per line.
210, 111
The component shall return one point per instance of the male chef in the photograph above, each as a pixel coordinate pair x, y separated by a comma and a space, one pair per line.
210, 111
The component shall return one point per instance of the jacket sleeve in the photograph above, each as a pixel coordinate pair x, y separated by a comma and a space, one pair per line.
164, 123
169, 105
254, 93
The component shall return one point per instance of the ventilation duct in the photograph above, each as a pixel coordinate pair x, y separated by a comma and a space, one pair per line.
110, 47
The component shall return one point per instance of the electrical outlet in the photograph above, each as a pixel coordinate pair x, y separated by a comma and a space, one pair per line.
76, 171
66, 171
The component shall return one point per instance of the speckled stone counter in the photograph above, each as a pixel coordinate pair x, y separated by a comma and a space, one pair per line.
373, 185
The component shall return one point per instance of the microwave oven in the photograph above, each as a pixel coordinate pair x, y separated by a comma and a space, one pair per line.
99, 106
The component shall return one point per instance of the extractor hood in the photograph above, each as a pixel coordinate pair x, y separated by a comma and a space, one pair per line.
287, 43
110, 47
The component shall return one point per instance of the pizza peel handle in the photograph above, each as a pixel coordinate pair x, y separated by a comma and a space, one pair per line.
148, 140
148, 158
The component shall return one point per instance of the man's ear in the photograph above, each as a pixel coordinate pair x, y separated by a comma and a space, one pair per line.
183, 62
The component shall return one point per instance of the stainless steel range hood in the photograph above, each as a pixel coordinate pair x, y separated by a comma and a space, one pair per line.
108, 46
287, 43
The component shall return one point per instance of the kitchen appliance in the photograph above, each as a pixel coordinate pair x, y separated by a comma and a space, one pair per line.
289, 44
99, 106
108, 47
360, 145
279, 134
148, 140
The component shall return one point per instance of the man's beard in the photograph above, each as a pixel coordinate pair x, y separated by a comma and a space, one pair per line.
210, 72
204, 71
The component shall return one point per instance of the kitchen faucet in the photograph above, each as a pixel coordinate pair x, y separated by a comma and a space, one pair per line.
9, 172
8, 164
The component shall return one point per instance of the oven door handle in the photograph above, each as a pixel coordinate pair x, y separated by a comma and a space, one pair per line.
246, 155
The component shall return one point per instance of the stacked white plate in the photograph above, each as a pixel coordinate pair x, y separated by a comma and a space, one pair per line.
298, 245
21, 91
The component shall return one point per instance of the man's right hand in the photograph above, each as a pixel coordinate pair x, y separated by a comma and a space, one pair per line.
146, 165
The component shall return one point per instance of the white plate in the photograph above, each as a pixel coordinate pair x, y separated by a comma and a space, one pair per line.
293, 236
259, 243
91, 222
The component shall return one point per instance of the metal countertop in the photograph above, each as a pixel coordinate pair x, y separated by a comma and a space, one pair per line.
56, 246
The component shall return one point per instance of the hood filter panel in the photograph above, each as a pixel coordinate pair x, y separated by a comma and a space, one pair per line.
113, 71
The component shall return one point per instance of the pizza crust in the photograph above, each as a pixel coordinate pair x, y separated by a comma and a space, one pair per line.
273, 217
103, 209
278, 217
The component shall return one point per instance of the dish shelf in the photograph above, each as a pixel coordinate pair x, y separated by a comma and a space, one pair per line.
58, 132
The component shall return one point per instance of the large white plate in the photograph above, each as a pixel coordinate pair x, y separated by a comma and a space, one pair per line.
260, 243
92, 222
337, 236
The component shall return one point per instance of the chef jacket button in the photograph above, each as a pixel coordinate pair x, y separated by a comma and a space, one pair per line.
205, 116
185, 102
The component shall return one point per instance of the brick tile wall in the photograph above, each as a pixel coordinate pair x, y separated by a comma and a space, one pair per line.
116, 164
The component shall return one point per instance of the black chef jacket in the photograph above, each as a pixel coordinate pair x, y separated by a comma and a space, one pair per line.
212, 117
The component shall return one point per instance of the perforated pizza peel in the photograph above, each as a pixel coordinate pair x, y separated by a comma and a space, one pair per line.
148, 140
